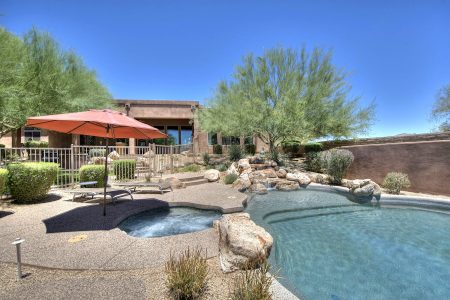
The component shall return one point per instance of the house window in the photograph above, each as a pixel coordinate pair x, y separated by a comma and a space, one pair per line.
212, 138
32, 134
186, 135
231, 140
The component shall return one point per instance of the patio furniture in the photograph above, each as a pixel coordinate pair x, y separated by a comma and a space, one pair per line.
111, 192
162, 186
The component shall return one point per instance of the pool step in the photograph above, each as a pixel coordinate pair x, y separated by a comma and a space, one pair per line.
196, 182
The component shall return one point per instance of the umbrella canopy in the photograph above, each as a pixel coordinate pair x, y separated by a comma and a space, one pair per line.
101, 123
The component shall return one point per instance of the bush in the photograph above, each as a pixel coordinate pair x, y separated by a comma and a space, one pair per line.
97, 153
124, 168
187, 275
336, 162
93, 173
222, 168
217, 149
313, 147
36, 144
394, 182
250, 149
65, 178
314, 162
291, 148
206, 158
30, 182
235, 152
230, 178
253, 284
190, 168
3, 180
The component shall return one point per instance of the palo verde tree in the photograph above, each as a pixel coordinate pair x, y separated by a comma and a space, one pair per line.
286, 94
37, 77
441, 108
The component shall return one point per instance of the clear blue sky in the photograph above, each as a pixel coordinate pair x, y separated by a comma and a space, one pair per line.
397, 52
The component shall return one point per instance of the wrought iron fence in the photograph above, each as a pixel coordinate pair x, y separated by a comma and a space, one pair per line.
143, 162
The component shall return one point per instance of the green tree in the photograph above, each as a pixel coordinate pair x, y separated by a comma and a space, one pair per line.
37, 77
286, 95
441, 108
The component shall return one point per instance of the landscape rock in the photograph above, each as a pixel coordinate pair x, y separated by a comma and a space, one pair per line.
175, 183
287, 185
232, 169
258, 188
212, 175
270, 173
242, 184
256, 159
363, 187
114, 155
319, 178
281, 173
257, 177
243, 164
301, 178
242, 242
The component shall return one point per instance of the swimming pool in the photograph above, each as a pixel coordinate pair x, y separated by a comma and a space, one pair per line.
328, 247
168, 221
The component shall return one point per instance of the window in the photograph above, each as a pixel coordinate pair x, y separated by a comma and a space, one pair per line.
172, 132
32, 134
212, 138
186, 135
231, 140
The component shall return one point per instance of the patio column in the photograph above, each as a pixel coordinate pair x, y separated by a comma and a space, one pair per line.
132, 146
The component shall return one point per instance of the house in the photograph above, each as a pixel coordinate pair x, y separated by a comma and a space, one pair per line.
173, 117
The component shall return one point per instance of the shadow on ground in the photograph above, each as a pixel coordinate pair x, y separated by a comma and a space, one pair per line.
90, 217
5, 213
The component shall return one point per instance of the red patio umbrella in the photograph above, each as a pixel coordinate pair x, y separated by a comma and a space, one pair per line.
104, 123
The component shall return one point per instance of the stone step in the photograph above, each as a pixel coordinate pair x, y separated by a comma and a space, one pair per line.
196, 182
193, 178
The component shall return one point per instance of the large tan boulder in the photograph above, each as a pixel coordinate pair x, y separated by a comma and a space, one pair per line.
212, 175
233, 169
281, 173
301, 178
258, 188
270, 173
114, 155
243, 164
319, 178
174, 182
257, 177
242, 184
242, 243
362, 187
287, 185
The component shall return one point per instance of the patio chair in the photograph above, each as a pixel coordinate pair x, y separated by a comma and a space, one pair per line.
111, 192
162, 186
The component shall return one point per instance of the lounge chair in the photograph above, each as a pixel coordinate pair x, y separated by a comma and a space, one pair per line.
162, 186
111, 192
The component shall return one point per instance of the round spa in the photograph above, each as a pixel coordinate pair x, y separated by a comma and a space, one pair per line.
168, 221
328, 247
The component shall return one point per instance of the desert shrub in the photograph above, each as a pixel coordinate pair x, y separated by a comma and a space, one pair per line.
206, 158
235, 152
222, 168
250, 149
36, 144
394, 182
217, 149
97, 152
187, 275
291, 148
276, 156
189, 168
3, 180
30, 182
313, 147
252, 284
124, 168
336, 162
93, 173
314, 162
230, 178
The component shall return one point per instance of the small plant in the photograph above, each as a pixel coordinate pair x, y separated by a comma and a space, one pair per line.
253, 284
230, 178
206, 158
235, 152
336, 163
36, 144
65, 178
30, 182
394, 182
275, 156
97, 153
222, 168
250, 149
217, 149
187, 275
314, 162
313, 147
3, 180
93, 173
291, 148
124, 168
190, 168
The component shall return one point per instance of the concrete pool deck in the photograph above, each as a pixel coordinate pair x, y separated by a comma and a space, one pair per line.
51, 231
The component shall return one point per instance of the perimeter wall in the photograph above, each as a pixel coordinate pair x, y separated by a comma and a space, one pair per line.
425, 158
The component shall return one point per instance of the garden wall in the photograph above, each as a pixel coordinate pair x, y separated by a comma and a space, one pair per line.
426, 162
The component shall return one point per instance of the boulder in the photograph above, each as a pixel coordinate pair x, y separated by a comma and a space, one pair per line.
256, 159
232, 169
242, 184
363, 187
100, 160
257, 177
270, 173
149, 153
281, 173
272, 182
212, 175
175, 183
287, 185
319, 178
243, 164
258, 188
114, 155
301, 178
242, 243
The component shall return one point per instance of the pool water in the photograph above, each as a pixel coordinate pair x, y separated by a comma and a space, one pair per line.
168, 221
327, 247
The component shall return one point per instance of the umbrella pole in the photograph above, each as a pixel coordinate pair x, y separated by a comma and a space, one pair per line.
105, 179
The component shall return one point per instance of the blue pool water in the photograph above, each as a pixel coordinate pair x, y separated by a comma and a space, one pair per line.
168, 221
327, 247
